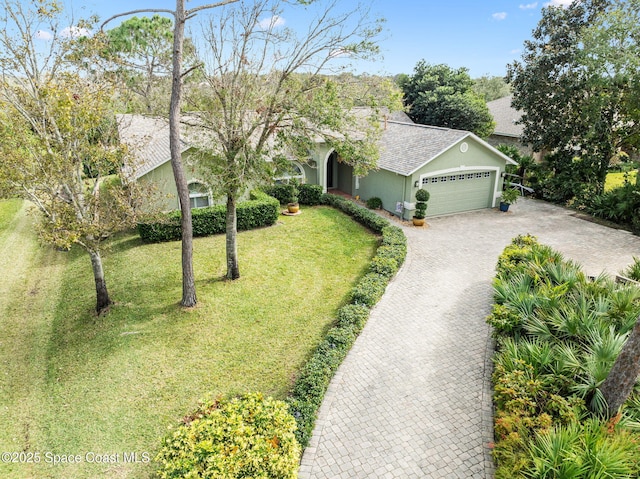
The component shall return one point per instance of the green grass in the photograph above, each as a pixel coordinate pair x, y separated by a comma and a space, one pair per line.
615, 180
114, 384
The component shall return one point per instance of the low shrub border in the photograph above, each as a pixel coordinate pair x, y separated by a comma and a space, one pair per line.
313, 380
260, 210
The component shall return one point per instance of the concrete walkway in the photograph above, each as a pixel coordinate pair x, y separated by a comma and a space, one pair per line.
413, 397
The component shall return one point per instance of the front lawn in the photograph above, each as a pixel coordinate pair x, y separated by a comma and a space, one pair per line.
112, 385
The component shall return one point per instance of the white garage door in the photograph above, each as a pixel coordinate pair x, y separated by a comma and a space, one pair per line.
454, 193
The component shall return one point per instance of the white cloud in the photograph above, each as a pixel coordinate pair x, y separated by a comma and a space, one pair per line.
559, 3
499, 16
528, 6
515, 51
272, 22
43, 35
75, 32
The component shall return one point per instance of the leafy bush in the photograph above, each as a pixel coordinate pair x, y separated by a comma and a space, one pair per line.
281, 192
260, 210
558, 334
633, 270
369, 289
250, 436
353, 316
620, 205
310, 195
374, 203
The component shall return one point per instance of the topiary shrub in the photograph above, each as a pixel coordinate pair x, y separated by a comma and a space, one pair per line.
250, 436
422, 196
374, 203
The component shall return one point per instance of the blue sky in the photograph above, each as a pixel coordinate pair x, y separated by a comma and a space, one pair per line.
482, 36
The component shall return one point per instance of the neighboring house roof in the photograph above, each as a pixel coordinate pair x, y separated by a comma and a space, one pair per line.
149, 137
406, 147
505, 117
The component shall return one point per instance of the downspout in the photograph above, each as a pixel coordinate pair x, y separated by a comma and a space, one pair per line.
404, 192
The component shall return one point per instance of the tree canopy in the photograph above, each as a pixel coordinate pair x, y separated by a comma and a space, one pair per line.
441, 96
577, 85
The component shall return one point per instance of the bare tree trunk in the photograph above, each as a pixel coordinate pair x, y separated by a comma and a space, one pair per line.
233, 270
102, 294
188, 278
624, 373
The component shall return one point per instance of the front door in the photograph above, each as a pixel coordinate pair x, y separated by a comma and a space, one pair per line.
330, 166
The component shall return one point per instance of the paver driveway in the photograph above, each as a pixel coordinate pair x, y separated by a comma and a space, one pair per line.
413, 398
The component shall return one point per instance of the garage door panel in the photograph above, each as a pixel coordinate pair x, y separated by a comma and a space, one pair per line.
460, 192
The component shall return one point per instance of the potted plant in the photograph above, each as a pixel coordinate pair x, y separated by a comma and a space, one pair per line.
422, 196
293, 206
508, 197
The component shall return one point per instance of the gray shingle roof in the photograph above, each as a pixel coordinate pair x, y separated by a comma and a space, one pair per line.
405, 147
148, 137
505, 117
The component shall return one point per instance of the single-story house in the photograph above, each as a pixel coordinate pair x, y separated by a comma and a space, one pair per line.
461, 171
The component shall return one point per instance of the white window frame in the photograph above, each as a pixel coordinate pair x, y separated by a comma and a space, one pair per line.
285, 179
194, 195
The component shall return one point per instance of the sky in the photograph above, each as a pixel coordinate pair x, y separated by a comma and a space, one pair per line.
482, 36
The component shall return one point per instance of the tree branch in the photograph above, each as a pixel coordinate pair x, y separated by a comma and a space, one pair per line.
191, 12
144, 10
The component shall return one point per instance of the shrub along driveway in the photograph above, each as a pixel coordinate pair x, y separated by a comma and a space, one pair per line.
413, 397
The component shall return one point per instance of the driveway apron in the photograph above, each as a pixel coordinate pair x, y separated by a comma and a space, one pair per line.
413, 397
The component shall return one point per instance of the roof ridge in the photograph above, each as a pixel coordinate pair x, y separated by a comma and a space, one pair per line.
433, 127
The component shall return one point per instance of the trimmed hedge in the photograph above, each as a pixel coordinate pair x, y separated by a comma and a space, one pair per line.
250, 436
260, 210
310, 195
313, 380
363, 216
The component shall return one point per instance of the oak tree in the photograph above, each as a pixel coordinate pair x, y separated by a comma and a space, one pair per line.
439, 95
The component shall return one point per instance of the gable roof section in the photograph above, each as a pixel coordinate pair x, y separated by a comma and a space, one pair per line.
505, 117
149, 138
407, 147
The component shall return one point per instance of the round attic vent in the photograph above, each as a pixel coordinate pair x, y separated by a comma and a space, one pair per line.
464, 147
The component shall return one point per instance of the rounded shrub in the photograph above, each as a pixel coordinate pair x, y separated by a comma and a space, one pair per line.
374, 203
250, 436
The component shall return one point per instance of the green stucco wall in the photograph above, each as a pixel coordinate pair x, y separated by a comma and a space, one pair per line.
162, 178
389, 187
393, 188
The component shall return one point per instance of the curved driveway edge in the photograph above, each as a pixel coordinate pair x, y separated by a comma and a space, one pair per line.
413, 397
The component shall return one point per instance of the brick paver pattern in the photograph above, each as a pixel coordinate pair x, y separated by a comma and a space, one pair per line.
413, 397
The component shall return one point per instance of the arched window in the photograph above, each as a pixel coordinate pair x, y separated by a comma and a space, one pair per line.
199, 195
296, 172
